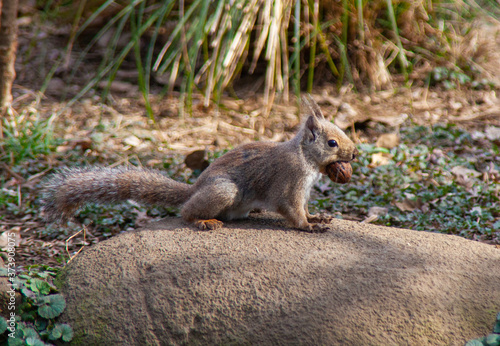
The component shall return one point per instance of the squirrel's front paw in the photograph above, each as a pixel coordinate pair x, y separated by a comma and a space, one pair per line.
320, 218
211, 224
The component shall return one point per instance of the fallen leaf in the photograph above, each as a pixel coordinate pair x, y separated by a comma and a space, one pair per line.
388, 140
410, 204
347, 115
374, 213
465, 172
380, 159
378, 211
493, 133
10, 237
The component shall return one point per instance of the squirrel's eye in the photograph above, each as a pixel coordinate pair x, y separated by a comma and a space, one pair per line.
332, 143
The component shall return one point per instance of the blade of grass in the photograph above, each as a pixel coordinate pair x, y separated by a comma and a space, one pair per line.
361, 25
402, 56
296, 51
112, 66
136, 37
174, 35
343, 45
312, 52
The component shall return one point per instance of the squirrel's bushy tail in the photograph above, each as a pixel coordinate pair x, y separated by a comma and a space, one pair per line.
71, 188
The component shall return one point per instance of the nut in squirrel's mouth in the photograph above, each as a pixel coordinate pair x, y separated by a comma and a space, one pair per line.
323, 169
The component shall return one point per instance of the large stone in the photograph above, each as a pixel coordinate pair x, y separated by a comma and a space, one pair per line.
256, 282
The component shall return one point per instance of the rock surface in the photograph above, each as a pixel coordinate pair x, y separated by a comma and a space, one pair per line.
255, 282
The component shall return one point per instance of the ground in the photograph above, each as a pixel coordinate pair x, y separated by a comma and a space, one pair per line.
119, 131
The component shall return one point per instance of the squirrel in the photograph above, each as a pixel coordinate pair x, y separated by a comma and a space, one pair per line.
261, 175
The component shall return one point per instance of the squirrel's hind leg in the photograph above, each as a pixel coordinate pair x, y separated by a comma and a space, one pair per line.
210, 203
299, 220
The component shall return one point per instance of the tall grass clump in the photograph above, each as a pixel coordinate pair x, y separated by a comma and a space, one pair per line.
204, 46
25, 135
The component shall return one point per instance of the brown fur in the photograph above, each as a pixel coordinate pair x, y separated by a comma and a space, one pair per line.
273, 176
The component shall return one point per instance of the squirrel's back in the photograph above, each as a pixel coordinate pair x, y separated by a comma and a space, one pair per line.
71, 188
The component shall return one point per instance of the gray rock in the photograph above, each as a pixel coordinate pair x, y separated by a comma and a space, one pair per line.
255, 282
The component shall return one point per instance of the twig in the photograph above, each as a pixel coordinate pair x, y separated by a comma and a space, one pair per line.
11, 172
84, 230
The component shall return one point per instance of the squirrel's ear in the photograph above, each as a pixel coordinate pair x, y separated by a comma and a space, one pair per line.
312, 128
313, 106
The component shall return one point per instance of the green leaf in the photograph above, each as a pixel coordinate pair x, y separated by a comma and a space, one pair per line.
41, 324
32, 341
496, 328
51, 306
3, 325
493, 340
63, 331
4, 271
29, 293
475, 342
30, 333
17, 340
37, 285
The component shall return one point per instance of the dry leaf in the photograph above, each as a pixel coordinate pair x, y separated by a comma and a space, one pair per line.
132, 140
374, 213
346, 116
380, 159
465, 172
10, 237
388, 140
410, 204
493, 133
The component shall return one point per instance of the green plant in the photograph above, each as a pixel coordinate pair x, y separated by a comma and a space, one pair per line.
418, 188
492, 339
208, 44
26, 136
41, 303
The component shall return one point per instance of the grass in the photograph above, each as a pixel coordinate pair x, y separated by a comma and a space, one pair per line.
205, 46
25, 135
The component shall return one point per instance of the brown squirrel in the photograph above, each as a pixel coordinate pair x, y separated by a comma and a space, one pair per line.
273, 176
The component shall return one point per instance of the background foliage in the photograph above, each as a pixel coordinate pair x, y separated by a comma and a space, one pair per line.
206, 46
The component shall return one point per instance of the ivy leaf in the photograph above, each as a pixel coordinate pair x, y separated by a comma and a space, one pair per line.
32, 341
4, 271
475, 342
29, 293
39, 286
63, 331
3, 325
496, 328
51, 306
17, 340
41, 324
493, 339
30, 333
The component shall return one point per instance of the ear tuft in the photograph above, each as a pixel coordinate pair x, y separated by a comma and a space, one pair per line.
312, 128
313, 106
